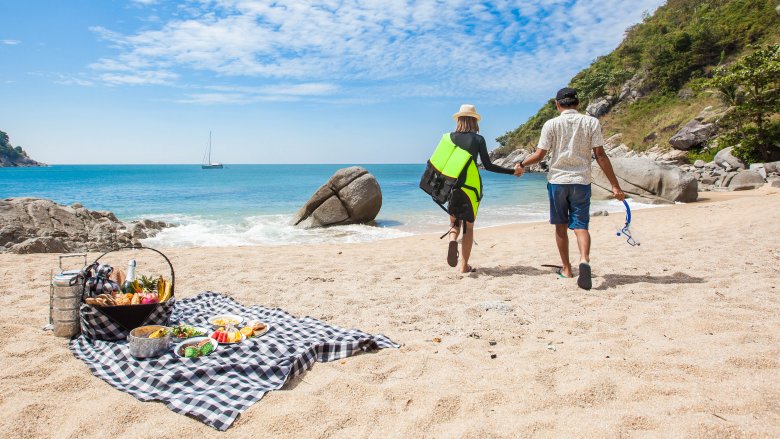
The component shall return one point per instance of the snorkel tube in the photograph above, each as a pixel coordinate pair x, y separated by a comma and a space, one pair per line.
626, 231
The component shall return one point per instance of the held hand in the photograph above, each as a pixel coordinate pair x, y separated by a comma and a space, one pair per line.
519, 170
618, 193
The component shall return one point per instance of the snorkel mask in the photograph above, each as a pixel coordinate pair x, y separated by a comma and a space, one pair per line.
625, 230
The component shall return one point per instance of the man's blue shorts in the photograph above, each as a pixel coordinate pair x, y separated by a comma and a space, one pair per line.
569, 204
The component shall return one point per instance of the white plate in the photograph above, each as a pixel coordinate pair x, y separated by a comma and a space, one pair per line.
194, 340
243, 337
252, 323
237, 318
200, 329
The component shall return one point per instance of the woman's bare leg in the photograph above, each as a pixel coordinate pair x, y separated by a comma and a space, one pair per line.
454, 230
468, 242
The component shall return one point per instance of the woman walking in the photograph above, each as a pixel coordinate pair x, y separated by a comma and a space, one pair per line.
460, 149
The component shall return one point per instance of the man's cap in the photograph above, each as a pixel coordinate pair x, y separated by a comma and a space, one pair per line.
566, 93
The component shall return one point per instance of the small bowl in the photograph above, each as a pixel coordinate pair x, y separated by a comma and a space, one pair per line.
237, 320
141, 346
194, 340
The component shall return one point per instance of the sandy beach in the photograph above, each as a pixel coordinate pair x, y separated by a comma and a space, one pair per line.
678, 338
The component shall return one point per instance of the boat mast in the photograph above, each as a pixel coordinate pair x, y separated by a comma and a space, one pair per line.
209, 146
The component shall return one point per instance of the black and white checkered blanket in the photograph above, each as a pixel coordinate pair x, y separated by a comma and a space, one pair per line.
217, 388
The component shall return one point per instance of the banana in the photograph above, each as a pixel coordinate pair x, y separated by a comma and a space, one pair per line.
165, 295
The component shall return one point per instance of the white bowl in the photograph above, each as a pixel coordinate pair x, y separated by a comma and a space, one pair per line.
194, 340
236, 318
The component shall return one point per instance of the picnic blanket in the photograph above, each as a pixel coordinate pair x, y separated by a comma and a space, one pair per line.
217, 388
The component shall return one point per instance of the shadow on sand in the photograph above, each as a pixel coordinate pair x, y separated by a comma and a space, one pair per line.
616, 280
511, 270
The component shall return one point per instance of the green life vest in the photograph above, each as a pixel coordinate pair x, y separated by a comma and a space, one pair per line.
452, 177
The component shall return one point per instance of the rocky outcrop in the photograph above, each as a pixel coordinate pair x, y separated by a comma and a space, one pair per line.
14, 156
19, 162
693, 135
746, 180
633, 89
600, 106
725, 159
648, 180
36, 225
351, 196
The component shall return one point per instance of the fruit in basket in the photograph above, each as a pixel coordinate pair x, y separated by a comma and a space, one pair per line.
164, 290
148, 284
149, 298
136, 300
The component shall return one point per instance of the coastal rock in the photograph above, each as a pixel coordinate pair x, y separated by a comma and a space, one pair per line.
600, 106
759, 167
600, 213
745, 180
632, 89
725, 159
699, 163
351, 196
647, 179
693, 134
36, 225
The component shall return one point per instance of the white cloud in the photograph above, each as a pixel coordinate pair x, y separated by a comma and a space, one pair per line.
506, 50
9, 42
73, 80
140, 77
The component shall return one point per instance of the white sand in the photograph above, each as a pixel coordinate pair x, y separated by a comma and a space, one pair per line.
678, 337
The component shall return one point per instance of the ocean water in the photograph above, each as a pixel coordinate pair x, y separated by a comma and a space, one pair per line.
253, 204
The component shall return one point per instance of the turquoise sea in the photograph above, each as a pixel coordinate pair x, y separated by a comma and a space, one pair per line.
253, 204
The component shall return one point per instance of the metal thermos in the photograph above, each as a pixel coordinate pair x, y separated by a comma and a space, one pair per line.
65, 300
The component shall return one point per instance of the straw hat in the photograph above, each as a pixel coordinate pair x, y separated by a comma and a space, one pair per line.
467, 110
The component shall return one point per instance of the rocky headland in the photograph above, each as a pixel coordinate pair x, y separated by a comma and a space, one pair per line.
14, 156
37, 225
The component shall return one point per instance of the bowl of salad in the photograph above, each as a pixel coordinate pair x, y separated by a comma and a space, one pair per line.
186, 331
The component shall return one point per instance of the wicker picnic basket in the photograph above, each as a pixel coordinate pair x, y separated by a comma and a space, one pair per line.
116, 322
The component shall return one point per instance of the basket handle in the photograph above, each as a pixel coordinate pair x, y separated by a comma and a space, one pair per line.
141, 247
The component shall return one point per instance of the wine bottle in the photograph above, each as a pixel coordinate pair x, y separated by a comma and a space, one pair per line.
128, 287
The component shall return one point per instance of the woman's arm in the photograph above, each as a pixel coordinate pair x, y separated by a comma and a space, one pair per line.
489, 166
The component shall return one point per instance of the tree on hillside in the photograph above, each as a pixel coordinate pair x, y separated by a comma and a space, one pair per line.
751, 85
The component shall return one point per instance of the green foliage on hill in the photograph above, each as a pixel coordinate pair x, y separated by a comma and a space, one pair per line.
751, 86
9, 152
679, 44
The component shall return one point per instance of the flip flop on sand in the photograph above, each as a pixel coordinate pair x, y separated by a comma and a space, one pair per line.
452, 254
470, 269
584, 280
559, 272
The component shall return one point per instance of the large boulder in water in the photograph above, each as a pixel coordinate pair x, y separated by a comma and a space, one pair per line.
351, 196
648, 180
37, 225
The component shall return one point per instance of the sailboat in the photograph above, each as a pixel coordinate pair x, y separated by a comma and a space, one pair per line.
208, 164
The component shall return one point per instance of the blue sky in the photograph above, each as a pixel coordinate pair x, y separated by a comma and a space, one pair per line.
290, 81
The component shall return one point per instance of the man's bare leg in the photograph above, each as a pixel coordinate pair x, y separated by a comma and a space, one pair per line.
562, 240
583, 242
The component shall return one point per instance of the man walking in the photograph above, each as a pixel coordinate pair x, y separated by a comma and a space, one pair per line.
570, 139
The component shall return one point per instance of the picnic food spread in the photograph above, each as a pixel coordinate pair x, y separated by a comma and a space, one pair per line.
143, 291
